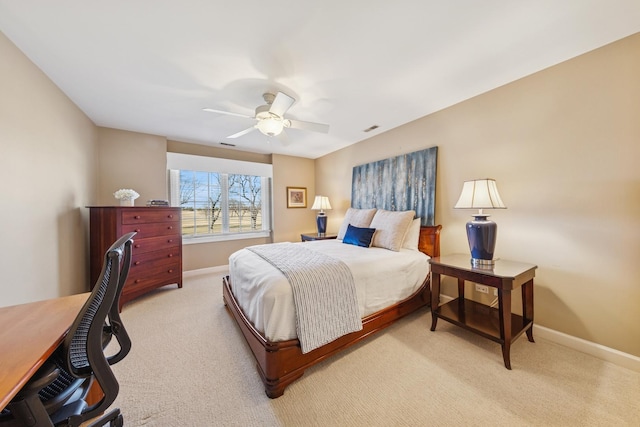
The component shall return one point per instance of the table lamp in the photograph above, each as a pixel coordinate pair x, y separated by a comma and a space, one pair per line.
321, 203
481, 194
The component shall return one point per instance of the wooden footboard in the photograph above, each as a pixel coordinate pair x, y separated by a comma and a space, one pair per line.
280, 363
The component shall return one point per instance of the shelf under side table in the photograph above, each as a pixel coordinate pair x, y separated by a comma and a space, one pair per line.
481, 319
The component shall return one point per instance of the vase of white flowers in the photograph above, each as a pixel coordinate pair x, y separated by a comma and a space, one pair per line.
126, 196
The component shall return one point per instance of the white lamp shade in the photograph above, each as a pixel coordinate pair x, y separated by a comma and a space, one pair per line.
480, 194
270, 126
321, 203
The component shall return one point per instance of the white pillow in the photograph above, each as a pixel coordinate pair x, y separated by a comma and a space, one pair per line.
412, 237
356, 217
391, 227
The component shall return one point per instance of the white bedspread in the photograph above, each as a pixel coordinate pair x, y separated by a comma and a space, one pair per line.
382, 278
324, 292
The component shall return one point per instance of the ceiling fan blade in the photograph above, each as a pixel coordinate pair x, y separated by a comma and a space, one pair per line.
228, 113
281, 104
283, 138
242, 132
314, 127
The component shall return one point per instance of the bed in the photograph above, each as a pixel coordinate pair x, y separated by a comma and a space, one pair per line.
280, 357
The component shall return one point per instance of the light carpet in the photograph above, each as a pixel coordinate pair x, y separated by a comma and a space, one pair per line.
190, 366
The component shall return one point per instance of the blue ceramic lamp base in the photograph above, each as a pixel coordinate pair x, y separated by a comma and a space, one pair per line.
321, 223
482, 234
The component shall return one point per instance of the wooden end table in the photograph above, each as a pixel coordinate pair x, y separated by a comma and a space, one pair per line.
315, 236
479, 318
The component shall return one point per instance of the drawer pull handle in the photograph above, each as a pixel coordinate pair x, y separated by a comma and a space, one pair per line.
136, 217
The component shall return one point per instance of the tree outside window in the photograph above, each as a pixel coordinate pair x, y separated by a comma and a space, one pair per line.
216, 203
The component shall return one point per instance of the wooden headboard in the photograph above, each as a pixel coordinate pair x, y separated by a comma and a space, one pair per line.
429, 242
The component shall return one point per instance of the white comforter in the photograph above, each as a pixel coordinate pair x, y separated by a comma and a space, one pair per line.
382, 278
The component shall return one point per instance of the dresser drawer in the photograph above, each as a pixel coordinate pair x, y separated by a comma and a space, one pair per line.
163, 256
150, 244
141, 216
152, 229
157, 275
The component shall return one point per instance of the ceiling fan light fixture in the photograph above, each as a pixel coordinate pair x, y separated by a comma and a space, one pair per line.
270, 118
271, 126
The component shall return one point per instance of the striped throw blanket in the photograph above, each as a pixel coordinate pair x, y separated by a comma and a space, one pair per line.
324, 292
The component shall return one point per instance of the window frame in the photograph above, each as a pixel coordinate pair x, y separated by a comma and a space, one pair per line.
225, 167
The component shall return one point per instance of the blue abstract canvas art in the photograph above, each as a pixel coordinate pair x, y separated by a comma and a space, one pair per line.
399, 183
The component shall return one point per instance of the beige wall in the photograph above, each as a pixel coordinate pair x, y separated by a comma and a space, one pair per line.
563, 145
47, 164
131, 160
288, 223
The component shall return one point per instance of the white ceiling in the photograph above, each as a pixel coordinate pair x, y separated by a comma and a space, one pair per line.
151, 66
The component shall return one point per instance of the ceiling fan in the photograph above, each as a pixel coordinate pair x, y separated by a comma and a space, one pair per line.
270, 117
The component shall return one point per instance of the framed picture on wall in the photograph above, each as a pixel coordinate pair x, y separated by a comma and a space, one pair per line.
296, 197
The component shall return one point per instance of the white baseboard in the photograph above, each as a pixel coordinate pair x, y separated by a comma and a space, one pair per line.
608, 354
612, 355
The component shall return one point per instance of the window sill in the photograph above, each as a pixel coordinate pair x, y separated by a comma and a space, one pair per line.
225, 237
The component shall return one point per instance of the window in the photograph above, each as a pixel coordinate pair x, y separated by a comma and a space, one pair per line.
219, 199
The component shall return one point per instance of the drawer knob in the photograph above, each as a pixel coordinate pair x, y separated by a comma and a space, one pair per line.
136, 246
137, 281
136, 217
169, 240
170, 216
170, 271
170, 227
137, 263
137, 230
170, 255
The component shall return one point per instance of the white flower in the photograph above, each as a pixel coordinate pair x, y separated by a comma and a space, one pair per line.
126, 193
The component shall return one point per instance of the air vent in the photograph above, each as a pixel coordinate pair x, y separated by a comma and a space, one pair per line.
369, 129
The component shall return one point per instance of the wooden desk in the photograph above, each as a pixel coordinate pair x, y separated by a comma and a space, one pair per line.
29, 333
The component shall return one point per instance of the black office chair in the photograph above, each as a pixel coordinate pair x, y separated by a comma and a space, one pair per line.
55, 395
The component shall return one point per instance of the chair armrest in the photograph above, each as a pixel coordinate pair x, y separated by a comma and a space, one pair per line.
117, 330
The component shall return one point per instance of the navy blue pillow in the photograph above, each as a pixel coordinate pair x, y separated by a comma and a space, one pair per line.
358, 236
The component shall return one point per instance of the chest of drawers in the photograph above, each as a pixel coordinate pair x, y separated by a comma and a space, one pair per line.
157, 247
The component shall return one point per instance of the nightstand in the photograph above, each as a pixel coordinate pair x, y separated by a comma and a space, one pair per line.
316, 236
499, 325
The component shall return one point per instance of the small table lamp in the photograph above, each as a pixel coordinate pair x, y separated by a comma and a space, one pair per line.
481, 194
321, 203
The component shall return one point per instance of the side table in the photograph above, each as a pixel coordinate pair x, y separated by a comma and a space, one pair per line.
315, 236
479, 318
